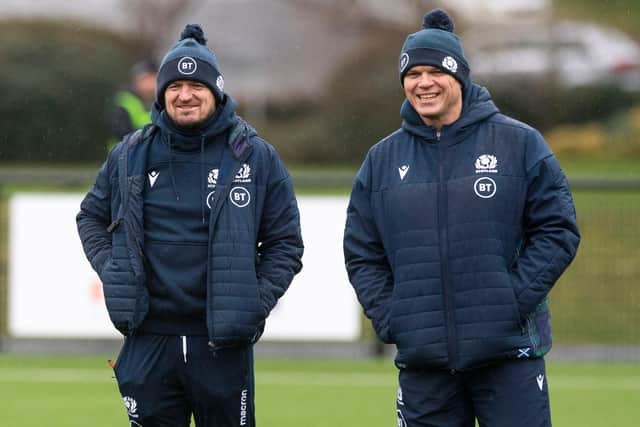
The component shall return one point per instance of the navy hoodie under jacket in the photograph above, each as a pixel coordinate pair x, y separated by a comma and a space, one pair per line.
182, 170
454, 238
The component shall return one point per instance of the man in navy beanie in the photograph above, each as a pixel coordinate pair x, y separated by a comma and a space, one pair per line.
458, 226
193, 227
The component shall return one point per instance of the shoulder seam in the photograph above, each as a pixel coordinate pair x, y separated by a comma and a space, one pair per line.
501, 119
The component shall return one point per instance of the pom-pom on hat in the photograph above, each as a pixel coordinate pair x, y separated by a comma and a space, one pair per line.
190, 59
437, 45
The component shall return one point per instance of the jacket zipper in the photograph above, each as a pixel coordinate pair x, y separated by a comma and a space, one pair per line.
216, 207
447, 292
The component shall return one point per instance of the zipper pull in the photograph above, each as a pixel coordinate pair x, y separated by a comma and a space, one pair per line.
113, 225
213, 348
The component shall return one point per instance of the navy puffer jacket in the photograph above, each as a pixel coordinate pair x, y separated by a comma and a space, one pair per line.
254, 251
454, 238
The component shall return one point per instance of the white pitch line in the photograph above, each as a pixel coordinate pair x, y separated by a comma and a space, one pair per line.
55, 375
326, 379
315, 379
570, 382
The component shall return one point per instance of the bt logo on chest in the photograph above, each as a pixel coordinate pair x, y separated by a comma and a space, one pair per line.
485, 187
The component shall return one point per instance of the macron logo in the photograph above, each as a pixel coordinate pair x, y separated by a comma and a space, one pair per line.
243, 408
402, 170
540, 380
153, 175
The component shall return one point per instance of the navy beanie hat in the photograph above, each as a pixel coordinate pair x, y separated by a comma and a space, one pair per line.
190, 59
436, 45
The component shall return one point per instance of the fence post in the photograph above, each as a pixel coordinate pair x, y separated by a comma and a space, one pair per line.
4, 279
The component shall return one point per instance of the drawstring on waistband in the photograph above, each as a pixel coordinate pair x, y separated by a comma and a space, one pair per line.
184, 348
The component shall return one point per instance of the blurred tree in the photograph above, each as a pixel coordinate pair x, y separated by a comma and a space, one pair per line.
153, 17
56, 77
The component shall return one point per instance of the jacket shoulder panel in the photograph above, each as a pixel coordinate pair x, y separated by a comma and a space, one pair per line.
387, 143
536, 149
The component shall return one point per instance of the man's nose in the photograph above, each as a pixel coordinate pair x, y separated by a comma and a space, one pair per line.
425, 79
185, 93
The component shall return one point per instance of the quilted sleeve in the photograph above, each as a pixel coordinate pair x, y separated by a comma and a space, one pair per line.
365, 258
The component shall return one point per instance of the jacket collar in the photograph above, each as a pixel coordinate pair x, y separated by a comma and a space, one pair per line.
477, 107
183, 139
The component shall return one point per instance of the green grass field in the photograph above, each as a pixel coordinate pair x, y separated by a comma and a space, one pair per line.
57, 391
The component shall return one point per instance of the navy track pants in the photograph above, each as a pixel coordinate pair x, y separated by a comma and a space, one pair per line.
506, 394
164, 380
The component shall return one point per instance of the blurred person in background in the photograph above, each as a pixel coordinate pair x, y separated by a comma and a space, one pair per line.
130, 108
193, 227
458, 226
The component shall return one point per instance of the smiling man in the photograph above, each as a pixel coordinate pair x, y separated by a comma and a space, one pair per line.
433, 94
189, 103
458, 226
193, 227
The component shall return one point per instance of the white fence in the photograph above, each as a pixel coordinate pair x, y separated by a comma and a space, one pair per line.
54, 293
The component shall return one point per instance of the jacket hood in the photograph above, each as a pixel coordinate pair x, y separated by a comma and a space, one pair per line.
188, 139
477, 106
179, 139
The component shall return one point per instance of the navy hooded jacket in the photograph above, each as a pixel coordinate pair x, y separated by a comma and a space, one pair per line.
454, 238
254, 241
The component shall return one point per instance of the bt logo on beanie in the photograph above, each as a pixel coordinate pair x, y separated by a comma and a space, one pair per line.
187, 66
404, 61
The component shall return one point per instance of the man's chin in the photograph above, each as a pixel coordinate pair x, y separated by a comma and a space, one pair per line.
188, 123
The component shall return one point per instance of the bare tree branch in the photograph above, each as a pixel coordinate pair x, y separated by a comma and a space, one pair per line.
151, 17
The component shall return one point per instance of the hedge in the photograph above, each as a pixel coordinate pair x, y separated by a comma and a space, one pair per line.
57, 78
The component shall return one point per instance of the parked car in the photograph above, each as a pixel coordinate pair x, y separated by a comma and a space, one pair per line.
569, 54
498, 11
